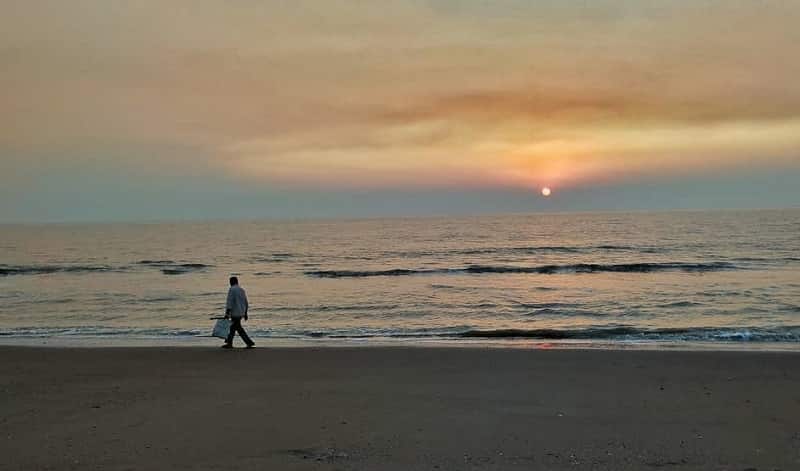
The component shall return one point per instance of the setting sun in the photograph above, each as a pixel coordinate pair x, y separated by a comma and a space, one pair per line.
546, 191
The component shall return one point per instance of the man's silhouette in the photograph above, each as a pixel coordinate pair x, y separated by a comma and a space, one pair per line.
236, 309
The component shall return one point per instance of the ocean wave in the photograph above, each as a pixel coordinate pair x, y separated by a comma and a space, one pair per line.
98, 331
610, 334
787, 334
273, 257
170, 267
183, 269
167, 267
548, 305
541, 270
529, 250
680, 304
12, 270
535, 250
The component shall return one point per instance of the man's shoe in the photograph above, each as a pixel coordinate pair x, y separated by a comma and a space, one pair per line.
227, 345
252, 345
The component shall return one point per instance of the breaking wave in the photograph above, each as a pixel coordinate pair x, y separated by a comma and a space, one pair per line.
790, 334
532, 250
702, 334
541, 270
169, 267
11, 270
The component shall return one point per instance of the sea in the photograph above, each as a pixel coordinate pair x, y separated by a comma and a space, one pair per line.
696, 279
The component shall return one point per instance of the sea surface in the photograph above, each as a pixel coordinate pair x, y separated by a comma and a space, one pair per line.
716, 278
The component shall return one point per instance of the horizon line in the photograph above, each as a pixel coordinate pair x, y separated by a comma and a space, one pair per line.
297, 219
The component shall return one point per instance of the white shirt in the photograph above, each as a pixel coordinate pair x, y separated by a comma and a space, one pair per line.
237, 301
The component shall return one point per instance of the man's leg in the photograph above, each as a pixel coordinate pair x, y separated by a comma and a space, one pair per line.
243, 334
234, 323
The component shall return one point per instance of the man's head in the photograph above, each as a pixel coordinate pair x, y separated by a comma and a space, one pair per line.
234, 281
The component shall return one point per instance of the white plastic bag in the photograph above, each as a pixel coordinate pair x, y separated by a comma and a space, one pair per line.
221, 328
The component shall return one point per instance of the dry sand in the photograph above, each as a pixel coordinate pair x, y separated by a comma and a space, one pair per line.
397, 409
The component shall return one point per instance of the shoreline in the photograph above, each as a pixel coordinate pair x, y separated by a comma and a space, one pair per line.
100, 342
398, 408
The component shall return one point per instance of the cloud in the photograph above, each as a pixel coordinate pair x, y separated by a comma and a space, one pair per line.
405, 94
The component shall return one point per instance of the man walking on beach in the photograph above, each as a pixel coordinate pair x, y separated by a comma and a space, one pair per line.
236, 309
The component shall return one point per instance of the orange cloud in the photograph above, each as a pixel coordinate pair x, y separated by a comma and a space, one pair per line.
403, 94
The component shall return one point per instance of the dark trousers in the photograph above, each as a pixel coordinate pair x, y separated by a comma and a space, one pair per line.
236, 326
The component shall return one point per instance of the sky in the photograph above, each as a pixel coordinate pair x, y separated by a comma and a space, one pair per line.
151, 110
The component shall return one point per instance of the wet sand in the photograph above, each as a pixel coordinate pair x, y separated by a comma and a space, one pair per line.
397, 409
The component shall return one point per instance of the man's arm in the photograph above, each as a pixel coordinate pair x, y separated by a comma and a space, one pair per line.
229, 303
246, 304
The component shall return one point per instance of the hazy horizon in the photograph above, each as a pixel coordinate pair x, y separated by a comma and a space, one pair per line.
388, 216
240, 110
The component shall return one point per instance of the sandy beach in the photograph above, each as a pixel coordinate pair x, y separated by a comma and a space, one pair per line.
397, 409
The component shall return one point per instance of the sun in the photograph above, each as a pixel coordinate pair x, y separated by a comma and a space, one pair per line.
546, 191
